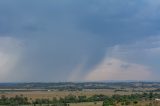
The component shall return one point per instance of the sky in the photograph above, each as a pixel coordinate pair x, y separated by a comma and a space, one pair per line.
79, 40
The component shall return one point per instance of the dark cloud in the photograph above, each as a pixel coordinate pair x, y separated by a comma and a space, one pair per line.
60, 35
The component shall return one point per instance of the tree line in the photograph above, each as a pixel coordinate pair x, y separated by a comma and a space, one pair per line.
133, 99
124, 100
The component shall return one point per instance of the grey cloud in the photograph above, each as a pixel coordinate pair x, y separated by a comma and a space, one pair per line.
60, 35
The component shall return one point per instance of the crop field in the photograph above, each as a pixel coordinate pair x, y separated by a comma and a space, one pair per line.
50, 94
82, 94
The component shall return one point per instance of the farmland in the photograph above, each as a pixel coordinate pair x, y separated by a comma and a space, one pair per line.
83, 94
58, 94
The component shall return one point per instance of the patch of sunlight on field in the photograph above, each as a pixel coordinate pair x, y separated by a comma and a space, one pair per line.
87, 104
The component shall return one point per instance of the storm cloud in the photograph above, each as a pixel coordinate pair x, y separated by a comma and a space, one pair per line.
70, 40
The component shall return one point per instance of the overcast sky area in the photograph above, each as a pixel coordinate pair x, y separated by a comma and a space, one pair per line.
79, 40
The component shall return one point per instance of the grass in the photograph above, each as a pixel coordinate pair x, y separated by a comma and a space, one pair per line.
50, 94
32, 95
87, 104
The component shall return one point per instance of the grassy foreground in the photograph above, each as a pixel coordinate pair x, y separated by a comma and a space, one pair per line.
87, 104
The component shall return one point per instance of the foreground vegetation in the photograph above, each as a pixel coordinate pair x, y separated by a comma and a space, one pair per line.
80, 94
87, 104
144, 99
